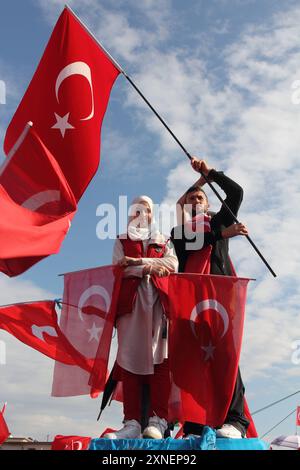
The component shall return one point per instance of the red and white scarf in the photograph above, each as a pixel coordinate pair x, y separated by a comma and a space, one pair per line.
199, 260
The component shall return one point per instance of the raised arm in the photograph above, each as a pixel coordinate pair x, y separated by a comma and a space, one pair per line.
234, 197
233, 191
181, 214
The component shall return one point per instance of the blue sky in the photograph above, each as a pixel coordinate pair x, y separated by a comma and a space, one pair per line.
221, 73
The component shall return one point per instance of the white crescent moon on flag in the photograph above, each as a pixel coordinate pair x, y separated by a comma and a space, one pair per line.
72, 445
76, 68
78, 444
38, 331
209, 304
93, 290
36, 201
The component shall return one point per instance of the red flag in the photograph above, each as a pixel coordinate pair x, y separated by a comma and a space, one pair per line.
36, 205
67, 99
87, 320
4, 432
298, 416
207, 315
71, 443
35, 324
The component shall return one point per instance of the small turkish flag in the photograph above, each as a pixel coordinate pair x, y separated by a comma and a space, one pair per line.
298, 416
71, 443
87, 320
206, 327
35, 324
67, 100
4, 432
36, 205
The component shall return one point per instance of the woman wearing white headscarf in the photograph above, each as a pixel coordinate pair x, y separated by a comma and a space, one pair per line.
141, 322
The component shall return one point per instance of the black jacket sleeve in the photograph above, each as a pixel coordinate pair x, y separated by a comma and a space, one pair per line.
234, 196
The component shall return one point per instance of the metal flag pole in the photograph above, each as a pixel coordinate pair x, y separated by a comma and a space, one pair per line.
16, 146
122, 71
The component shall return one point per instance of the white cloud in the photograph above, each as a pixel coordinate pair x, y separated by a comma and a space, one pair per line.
221, 27
16, 290
113, 24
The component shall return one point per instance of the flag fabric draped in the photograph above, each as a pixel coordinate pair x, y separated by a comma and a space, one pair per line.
36, 325
67, 100
36, 205
4, 432
87, 320
71, 443
205, 335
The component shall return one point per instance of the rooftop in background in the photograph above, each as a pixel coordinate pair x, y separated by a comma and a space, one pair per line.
24, 443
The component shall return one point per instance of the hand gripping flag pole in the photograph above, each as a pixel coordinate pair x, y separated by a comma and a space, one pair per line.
173, 135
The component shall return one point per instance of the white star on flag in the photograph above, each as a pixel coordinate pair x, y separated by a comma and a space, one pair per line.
209, 350
62, 124
94, 332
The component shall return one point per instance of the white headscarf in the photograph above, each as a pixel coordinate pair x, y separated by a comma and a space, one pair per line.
141, 199
139, 233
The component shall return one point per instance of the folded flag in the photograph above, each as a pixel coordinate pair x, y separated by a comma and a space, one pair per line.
36, 205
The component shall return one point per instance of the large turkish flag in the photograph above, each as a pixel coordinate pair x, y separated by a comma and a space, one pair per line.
66, 101
206, 328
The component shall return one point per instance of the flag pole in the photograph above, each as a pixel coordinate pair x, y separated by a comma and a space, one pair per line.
122, 71
16, 146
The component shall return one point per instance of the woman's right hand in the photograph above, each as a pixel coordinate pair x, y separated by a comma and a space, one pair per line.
159, 271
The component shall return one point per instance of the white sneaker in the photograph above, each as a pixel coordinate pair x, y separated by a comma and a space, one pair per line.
156, 428
131, 430
229, 431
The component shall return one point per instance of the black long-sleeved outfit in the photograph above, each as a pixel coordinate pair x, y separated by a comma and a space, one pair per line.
220, 265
